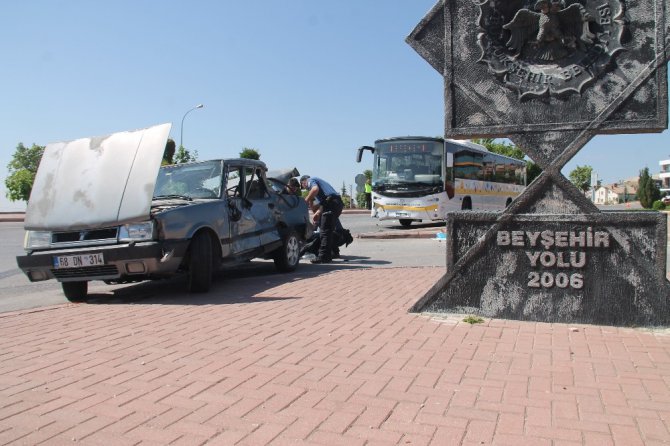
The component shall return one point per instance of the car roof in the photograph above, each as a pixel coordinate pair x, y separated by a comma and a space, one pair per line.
245, 162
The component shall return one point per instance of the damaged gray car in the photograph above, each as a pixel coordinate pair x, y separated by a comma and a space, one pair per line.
104, 209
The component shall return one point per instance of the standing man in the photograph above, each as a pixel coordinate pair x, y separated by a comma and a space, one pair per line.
368, 193
331, 206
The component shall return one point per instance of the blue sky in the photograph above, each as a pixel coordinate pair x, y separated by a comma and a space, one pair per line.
305, 82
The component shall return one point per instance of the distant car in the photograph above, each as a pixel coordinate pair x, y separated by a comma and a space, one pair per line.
666, 200
104, 209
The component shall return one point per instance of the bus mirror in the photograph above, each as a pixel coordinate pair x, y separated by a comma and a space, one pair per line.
450, 159
359, 154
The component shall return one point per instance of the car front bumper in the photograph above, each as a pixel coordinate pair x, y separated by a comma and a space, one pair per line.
131, 261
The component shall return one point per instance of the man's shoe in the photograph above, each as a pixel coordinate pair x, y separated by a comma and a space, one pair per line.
348, 239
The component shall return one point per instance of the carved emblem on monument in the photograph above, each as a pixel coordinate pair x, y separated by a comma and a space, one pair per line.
549, 47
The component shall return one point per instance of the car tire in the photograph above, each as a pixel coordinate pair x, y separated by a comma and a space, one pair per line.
287, 257
200, 264
75, 291
405, 222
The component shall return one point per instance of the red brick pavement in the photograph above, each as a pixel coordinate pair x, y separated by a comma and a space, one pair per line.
328, 360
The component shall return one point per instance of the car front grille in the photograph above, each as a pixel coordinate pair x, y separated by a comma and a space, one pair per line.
107, 234
100, 272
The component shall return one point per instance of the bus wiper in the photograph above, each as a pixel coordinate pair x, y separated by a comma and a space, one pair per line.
172, 196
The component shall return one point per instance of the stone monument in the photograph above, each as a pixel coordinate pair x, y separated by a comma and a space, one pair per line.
550, 75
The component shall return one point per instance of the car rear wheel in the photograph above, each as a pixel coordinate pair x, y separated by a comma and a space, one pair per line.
200, 264
287, 257
75, 291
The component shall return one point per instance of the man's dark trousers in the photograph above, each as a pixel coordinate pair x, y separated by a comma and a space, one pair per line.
332, 208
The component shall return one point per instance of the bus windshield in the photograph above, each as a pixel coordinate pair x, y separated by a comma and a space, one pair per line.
408, 164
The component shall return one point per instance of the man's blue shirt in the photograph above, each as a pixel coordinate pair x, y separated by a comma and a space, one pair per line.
325, 189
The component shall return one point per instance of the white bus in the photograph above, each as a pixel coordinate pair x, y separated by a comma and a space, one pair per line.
422, 178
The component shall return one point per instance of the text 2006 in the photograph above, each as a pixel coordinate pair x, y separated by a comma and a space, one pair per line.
549, 280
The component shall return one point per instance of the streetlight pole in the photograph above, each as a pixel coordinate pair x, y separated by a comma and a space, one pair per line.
181, 135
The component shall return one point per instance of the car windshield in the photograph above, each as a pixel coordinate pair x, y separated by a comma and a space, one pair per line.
189, 181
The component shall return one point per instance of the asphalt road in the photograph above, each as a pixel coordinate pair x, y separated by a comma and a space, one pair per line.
17, 292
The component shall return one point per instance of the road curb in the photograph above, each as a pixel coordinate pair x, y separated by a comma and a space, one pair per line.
417, 233
12, 216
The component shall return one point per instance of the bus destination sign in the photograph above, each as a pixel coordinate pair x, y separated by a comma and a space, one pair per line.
409, 147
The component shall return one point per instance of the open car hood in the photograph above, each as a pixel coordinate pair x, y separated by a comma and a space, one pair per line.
96, 182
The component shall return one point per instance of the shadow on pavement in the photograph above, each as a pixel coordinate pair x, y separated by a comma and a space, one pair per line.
241, 284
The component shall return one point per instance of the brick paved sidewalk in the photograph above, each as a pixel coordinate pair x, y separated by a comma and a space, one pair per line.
328, 360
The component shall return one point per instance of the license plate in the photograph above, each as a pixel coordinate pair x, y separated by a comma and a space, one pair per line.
402, 214
78, 261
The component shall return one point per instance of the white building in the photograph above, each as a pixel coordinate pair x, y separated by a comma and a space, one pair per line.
605, 195
664, 176
616, 193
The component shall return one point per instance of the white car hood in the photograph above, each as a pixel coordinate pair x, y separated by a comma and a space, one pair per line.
96, 182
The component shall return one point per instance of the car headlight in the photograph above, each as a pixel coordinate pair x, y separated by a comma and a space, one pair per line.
136, 231
37, 239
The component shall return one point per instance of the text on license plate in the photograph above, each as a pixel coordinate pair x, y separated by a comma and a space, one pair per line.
78, 261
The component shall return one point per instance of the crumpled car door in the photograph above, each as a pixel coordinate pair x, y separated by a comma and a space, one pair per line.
244, 235
263, 208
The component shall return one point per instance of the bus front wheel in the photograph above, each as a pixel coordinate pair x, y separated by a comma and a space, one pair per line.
406, 222
467, 204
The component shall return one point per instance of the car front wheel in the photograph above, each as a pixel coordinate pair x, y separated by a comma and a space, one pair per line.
287, 257
75, 291
200, 264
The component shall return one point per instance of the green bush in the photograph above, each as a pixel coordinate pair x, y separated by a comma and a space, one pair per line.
658, 206
360, 200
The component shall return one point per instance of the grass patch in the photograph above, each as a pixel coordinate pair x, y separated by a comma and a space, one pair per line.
473, 320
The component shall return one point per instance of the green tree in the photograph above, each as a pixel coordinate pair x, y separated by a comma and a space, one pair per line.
168, 154
581, 177
22, 169
184, 156
532, 171
642, 188
251, 154
501, 148
647, 191
346, 199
